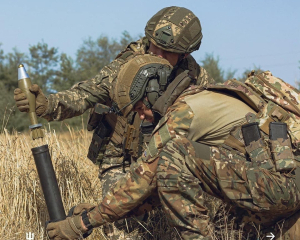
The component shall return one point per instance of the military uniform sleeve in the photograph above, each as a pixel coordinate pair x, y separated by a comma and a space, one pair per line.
83, 95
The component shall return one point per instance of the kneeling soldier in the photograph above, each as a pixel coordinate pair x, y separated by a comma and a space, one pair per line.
206, 140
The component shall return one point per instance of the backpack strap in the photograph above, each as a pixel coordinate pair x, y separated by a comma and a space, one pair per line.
175, 88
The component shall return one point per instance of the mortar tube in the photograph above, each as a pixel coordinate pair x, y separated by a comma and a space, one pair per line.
49, 183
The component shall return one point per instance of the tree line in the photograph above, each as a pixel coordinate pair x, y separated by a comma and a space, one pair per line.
54, 71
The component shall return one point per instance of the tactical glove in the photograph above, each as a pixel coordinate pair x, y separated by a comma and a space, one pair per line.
80, 208
23, 103
70, 228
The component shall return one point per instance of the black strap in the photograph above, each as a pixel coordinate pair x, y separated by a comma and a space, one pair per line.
86, 221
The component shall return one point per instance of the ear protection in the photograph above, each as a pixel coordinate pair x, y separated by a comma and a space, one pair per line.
156, 86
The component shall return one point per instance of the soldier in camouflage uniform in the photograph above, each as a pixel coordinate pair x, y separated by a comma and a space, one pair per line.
173, 33
190, 152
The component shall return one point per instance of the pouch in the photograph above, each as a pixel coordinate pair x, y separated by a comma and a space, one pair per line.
255, 146
281, 148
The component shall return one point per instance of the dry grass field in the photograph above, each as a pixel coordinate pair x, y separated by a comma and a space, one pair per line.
22, 205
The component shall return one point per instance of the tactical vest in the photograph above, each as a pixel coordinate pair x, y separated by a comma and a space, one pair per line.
110, 127
129, 133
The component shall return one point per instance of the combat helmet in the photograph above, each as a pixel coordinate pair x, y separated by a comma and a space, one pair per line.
175, 29
142, 76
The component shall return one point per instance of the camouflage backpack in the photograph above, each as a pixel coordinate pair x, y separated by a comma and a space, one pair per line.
274, 101
283, 102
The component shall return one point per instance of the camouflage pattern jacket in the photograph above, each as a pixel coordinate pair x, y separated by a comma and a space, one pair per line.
188, 155
86, 94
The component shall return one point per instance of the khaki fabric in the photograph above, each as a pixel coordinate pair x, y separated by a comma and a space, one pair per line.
225, 112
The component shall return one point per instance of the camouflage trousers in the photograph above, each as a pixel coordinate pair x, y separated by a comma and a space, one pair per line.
180, 178
167, 179
111, 169
127, 228
150, 223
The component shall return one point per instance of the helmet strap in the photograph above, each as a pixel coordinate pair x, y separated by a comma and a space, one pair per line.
147, 103
180, 58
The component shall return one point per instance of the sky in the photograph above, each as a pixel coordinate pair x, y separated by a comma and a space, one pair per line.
244, 34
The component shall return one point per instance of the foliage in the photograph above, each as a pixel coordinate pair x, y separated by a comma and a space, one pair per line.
10, 117
67, 76
42, 65
212, 66
94, 55
53, 72
8, 68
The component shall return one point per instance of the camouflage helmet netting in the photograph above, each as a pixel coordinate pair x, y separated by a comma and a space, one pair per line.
175, 29
126, 76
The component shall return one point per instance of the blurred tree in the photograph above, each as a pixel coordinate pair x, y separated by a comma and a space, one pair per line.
211, 65
53, 72
94, 55
1, 56
10, 117
42, 64
9, 68
67, 76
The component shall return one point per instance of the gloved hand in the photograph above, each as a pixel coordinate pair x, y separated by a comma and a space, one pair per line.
70, 228
80, 208
23, 104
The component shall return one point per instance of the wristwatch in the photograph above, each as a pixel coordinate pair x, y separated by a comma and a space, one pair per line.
86, 221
